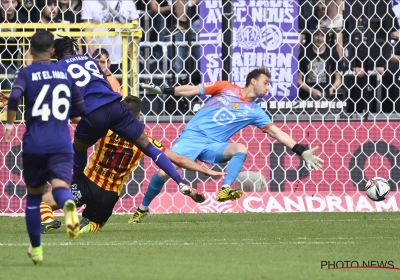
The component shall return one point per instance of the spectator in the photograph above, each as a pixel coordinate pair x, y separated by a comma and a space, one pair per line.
29, 9
161, 16
10, 48
182, 21
334, 15
318, 75
359, 97
308, 23
396, 11
48, 11
102, 57
391, 81
103, 11
66, 13
182, 58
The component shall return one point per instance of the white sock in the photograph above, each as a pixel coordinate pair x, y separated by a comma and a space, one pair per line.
143, 208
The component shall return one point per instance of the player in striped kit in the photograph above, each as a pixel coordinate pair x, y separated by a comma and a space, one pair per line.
113, 161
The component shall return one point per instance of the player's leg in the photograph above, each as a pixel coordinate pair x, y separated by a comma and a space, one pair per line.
127, 126
99, 206
34, 172
89, 129
59, 174
156, 183
236, 154
47, 207
189, 148
33, 222
80, 157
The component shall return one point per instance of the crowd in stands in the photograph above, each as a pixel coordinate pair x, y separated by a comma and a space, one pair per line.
323, 62
170, 21
336, 60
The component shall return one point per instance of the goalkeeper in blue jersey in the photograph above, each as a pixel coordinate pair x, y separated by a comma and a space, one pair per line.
206, 136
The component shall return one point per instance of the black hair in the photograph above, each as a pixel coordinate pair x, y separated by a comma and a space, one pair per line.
100, 51
42, 41
254, 74
133, 103
64, 46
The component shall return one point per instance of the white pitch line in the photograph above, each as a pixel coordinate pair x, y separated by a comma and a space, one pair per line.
263, 221
177, 243
224, 241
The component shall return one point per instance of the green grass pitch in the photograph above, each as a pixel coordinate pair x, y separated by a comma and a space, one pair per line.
210, 246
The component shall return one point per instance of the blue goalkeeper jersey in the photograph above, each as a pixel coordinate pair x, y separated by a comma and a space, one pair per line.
225, 113
90, 80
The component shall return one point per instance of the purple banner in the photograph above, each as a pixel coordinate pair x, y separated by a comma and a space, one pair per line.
264, 34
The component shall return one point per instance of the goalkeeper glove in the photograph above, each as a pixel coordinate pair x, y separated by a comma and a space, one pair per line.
312, 162
152, 89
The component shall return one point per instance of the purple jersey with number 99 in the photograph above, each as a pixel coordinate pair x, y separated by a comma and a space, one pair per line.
90, 80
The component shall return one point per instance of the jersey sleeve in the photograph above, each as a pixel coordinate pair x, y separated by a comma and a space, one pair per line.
18, 88
212, 88
263, 121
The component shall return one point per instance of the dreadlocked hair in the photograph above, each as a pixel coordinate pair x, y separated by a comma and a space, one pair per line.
65, 45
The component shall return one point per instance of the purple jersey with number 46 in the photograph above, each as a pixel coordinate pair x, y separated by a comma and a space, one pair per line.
49, 93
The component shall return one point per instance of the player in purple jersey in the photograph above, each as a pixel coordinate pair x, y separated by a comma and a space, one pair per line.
47, 152
104, 112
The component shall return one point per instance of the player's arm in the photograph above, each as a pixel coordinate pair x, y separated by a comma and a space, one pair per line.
78, 107
184, 162
4, 99
17, 91
12, 109
187, 90
312, 161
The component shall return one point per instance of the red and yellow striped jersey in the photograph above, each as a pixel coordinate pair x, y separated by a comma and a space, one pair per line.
113, 161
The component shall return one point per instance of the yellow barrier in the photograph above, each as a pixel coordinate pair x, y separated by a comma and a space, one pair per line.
130, 30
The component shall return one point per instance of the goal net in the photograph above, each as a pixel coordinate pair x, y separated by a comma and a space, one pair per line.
335, 84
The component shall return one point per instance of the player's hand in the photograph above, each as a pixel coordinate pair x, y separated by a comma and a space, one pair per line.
213, 173
152, 89
312, 162
7, 135
4, 99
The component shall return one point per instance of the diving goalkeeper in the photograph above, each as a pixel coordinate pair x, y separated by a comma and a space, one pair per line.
206, 136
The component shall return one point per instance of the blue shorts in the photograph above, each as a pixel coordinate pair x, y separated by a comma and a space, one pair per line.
42, 168
197, 148
113, 116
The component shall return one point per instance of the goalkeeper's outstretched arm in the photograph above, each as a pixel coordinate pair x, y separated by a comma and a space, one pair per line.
312, 162
185, 90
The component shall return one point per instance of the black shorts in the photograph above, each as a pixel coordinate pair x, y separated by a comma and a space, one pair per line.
99, 202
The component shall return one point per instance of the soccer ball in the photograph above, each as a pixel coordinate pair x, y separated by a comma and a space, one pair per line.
377, 189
